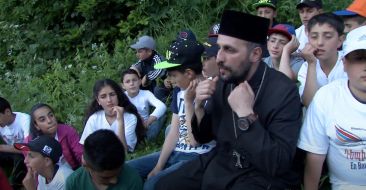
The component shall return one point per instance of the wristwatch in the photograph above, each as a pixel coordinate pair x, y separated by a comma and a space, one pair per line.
245, 122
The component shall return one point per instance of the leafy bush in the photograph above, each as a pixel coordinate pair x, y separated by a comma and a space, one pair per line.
53, 51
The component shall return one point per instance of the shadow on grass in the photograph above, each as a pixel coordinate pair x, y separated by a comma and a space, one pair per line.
150, 146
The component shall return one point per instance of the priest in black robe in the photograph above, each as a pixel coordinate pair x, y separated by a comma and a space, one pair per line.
252, 111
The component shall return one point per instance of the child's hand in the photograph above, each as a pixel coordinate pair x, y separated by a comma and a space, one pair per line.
149, 121
146, 124
30, 180
119, 112
292, 45
144, 81
191, 91
308, 53
154, 172
168, 83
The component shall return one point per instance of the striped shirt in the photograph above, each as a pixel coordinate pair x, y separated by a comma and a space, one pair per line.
146, 67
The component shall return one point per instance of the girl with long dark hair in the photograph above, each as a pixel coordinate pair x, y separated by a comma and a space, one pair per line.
111, 109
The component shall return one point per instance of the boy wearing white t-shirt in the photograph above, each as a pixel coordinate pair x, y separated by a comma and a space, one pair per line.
143, 100
307, 9
334, 128
14, 127
43, 154
323, 61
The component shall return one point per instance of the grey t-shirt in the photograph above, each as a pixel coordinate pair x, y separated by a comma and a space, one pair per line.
295, 62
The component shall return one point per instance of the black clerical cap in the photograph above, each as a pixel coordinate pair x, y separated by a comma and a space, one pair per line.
244, 26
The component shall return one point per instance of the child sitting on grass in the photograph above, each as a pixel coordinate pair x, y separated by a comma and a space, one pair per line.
111, 109
43, 154
143, 99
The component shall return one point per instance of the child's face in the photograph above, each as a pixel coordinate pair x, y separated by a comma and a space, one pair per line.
131, 83
326, 40
35, 161
356, 71
306, 13
143, 54
45, 121
107, 98
210, 67
266, 12
5, 118
179, 79
275, 44
350, 24
108, 177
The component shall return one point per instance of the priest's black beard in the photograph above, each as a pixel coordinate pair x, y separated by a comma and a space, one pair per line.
236, 79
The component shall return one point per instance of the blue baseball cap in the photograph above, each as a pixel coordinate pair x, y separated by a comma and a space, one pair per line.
344, 13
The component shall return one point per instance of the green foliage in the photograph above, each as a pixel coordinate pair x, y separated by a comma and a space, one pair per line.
53, 51
66, 86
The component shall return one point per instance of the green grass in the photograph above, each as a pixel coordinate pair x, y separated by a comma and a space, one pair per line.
148, 147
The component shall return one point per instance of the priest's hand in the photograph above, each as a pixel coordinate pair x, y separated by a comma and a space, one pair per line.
204, 90
241, 99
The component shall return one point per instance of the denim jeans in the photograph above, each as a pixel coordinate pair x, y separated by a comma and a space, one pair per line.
154, 128
145, 164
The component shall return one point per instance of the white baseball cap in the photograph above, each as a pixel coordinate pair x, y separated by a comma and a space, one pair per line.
355, 40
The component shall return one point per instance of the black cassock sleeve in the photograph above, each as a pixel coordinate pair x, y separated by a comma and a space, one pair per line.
203, 132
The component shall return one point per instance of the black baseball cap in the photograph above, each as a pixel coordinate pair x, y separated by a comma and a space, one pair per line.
182, 52
211, 47
45, 145
186, 34
310, 3
265, 3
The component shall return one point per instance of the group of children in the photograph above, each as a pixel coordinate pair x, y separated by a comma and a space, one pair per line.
327, 47
53, 151
332, 87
